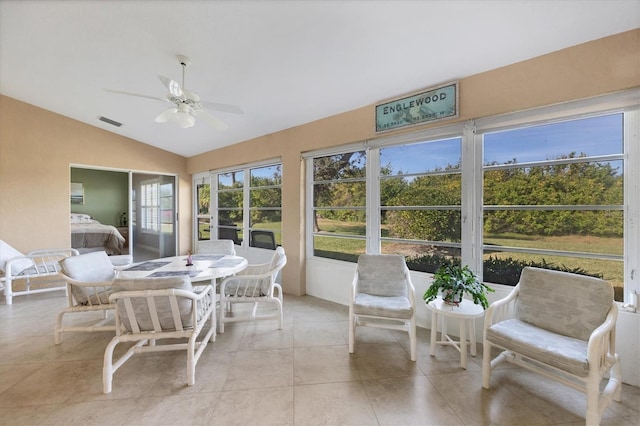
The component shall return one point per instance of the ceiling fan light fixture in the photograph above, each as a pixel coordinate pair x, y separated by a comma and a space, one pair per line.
184, 119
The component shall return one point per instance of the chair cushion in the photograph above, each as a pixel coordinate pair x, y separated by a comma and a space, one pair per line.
91, 267
566, 353
382, 275
7, 253
383, 306
94, 267
215, 247
163, 307
569, 304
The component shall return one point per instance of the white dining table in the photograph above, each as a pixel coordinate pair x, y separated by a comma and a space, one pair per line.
204, 267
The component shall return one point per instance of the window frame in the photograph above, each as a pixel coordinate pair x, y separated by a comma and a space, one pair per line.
211, 177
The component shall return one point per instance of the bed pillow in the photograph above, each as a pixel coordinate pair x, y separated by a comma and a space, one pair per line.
80, 218
7, 253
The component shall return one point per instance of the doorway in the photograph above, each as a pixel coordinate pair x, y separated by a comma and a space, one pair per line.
141, 207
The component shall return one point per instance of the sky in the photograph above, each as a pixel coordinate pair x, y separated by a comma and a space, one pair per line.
593, 136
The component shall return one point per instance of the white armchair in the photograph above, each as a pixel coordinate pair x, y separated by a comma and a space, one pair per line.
383, 296
256, 284
89, 277
562, 326
150, 309
37, 264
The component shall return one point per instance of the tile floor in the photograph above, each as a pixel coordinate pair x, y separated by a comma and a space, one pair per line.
255, 374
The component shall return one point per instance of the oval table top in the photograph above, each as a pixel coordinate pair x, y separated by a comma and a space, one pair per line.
205, 267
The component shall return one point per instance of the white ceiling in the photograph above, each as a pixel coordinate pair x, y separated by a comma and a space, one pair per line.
285, 63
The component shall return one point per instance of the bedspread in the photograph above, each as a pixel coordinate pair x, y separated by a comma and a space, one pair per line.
96, 235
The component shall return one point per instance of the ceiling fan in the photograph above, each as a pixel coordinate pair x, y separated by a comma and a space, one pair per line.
187, 104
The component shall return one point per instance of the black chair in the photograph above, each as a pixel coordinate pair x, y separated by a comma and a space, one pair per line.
263, 239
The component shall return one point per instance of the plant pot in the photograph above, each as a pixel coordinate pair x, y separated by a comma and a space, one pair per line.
451, 298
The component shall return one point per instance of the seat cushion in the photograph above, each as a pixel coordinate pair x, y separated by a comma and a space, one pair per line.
383, 306
162, 303
92, 267
569, 304
563, 352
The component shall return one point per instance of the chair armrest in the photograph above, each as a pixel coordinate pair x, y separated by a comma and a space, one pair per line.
411, 291
50, 252
502, 309
602, 341
354, 287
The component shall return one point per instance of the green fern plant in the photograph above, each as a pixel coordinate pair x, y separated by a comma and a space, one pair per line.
453, 282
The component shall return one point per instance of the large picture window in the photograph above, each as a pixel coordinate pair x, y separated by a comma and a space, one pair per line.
553, 198
549, 188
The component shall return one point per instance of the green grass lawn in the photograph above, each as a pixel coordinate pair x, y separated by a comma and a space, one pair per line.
612, 271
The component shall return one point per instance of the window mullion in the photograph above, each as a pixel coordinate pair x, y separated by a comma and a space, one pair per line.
373, 201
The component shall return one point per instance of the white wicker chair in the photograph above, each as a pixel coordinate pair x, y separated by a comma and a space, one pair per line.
256, 284
89, 277
562, 326
215, 247
383, 296
38, 264
149, 309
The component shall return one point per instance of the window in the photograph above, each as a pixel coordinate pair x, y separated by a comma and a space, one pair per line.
149, 207
339, 205
230, 196
553, 198
203, 201
420, 202
247, 205
554, 187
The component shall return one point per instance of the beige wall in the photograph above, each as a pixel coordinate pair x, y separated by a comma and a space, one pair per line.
602, 66
37, 148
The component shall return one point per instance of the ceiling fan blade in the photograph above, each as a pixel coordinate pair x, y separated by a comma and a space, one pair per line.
120, 92
214, 122
234, 109
173, 87
166, 115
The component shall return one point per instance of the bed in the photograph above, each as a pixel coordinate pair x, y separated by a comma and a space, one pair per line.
88, 234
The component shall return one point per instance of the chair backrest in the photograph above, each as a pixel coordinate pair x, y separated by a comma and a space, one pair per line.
94, 267
569, 304
263, 239
215, 247
153, 313
257, 287
382, 275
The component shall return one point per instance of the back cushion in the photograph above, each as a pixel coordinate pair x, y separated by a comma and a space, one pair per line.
7, 253
382, 275
163, 307
569, 304
94, 267
90, 267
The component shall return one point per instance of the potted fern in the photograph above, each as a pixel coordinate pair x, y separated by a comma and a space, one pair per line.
453, 281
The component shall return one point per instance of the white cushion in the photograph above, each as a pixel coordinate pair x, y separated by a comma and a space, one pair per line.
382, 275
94, 267
7, 253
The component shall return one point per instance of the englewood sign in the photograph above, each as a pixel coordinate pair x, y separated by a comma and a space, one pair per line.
428, 105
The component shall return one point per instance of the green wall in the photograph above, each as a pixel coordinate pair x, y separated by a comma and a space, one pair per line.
105, 194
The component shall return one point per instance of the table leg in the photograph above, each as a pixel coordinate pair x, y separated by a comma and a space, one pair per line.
434, 331
463, 343
472, 336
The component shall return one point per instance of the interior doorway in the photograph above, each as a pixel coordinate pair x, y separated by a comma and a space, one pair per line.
123, 212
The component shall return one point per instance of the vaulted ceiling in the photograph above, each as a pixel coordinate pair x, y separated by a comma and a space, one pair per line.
285, 63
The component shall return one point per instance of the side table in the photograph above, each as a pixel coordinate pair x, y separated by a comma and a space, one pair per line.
466, 312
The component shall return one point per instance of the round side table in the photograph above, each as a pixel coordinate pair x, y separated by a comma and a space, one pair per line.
466, 312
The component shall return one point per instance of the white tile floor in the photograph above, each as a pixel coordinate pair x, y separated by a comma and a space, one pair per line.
255, 374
